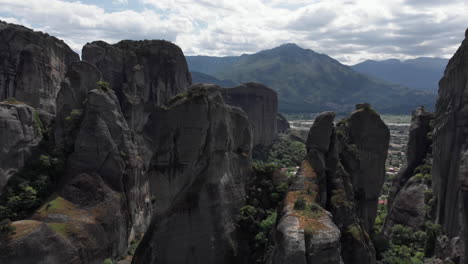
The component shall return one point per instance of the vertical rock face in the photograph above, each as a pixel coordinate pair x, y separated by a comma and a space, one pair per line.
33, 65
407, 198
81, 78
143, 74
282, 123
261, 105
103, 199
197, 179
371, 137
450, 142
20, 131
337, 182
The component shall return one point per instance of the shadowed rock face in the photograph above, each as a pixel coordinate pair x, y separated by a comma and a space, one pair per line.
103, 201
450, 142
339, 164
197, 177
261, 105
19, 133
407, 200
143, 74
282, 123
32, 66
371, 137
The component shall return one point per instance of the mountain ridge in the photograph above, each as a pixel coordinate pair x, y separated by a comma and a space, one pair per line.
307, 81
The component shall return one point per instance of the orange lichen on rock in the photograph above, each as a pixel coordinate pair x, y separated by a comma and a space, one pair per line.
24, 227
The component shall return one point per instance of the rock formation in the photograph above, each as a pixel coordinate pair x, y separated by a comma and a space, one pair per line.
406, 205
282, 123
143, 74
449, 174
103, 200
33, 65
261, 105
342, 174
197, 178
20, 132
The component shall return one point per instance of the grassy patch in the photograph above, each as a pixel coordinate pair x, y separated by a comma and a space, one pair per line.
60, 228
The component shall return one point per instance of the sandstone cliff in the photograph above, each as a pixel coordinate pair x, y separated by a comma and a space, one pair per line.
20, 132
450, 142
406, 204
338, 183
143, 74
198, 175
103, 199
261, 105
32, 66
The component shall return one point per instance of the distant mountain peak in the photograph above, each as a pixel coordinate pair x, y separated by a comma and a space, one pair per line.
290, 46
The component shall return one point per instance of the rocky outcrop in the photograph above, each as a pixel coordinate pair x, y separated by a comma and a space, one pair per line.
450, 143
340, 176
282, 123
197, 176
305, 232
103, 201
20, 131
33, 65
406, 205
143, 74
369, 134
261, 105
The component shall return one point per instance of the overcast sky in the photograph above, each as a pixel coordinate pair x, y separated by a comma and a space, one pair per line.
350, 31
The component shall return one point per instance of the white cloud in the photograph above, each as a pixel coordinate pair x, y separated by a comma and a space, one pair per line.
350, 31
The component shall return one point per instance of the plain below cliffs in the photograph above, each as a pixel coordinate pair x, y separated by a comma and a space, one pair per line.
261, 105
32, 66
449, 171
329, 209
198, 176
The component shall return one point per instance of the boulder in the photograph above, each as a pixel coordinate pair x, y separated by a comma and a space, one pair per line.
33, 65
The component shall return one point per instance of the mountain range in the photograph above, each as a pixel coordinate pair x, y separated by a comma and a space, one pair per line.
420, 73
307, 81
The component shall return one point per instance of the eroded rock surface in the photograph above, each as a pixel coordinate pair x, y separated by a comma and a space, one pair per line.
20, 132
450, 141
104, 199
143, 74
407, 200
282, 123
261, 105
33, 65
197, 178
342, 172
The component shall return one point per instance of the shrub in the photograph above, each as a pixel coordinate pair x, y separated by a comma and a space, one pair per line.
6, 227
108, 261
103, 86
300, 203
402, 235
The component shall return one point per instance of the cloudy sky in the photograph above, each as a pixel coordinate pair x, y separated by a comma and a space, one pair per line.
348, 30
